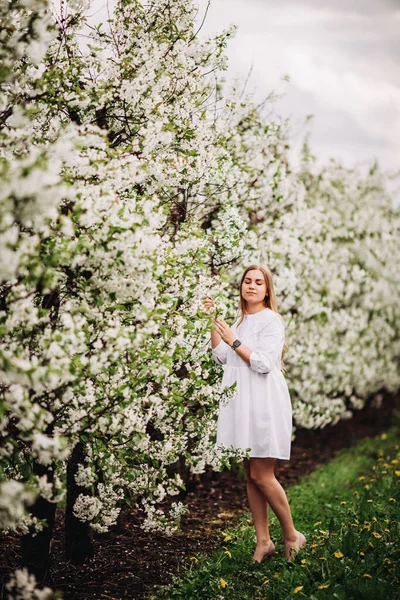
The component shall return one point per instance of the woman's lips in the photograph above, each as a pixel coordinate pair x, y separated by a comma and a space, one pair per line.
251, 293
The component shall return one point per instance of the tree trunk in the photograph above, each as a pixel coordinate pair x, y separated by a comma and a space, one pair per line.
78, 539
36, 547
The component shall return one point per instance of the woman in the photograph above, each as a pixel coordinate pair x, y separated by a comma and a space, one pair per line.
259, 416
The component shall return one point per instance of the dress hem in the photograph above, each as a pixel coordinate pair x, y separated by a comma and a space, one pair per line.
230, 448
269, 456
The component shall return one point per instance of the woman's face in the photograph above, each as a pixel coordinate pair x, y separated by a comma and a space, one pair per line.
254, 288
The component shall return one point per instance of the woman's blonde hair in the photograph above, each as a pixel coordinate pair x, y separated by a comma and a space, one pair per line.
269, 300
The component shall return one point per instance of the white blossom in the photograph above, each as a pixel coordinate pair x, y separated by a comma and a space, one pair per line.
22, 586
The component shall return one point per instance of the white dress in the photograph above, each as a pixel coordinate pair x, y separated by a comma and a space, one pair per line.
259, 415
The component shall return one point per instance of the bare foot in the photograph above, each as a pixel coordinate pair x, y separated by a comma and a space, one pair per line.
263, 550
292, 547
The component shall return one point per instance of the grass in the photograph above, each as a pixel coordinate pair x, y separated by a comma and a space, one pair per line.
349, 510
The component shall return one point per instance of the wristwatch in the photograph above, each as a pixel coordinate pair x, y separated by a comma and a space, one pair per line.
236, 344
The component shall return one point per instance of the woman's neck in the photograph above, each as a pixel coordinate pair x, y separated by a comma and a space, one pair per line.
255, 309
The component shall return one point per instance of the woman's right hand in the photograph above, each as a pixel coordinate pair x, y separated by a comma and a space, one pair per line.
210, 307
208, 303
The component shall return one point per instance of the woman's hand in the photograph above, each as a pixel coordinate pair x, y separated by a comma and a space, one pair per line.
224, 331
220, 326
208, 303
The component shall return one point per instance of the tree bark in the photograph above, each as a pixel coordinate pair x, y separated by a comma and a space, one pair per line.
36, 546
78, 538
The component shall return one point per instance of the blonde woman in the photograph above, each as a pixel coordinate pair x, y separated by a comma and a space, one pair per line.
259, 415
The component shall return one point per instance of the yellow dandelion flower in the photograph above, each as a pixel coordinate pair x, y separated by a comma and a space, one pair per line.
229, 555
338, 554
392, 500
266, 580
276, 574
355, 493
227, 538
366, 486
387, 530
223, 583
323, 586
384, 472
303, 561
386, 560
376, 534
362, 553
194, 558
322, 531
322, 558
249, 521
367, 575
369, 500
371, 479
397, 473
375, 519
383, 436
343, 502
313, 546
394, 461
361, 478
371, 545
317, 523
386, 521
297, 589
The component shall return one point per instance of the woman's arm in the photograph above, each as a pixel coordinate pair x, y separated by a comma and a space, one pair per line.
267, 348
220, 352
219, 348
261, 358
226, 334
215, 338
244, 352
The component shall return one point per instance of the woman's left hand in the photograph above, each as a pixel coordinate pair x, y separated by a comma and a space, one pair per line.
224, 331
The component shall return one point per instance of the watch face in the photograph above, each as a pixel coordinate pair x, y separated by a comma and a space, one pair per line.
236, 343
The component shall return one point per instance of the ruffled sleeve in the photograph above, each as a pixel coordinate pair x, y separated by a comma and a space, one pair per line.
220, 352
268, 348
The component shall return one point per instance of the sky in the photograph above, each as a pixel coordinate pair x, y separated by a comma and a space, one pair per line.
342, 59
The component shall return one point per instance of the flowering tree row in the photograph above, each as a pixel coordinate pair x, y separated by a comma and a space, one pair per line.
131, 187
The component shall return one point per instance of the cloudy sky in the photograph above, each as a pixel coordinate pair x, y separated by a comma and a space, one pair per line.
342, 58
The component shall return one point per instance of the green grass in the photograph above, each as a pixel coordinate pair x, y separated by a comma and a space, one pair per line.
349, 510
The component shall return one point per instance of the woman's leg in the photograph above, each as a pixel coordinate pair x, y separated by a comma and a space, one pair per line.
259, 510
263, 476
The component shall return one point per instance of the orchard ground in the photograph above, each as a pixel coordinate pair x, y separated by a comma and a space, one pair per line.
131, 563
350, 512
